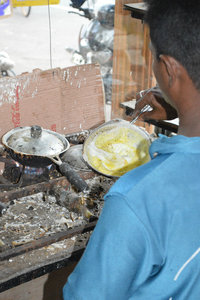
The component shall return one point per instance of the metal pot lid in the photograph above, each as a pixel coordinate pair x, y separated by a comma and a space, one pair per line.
35, 140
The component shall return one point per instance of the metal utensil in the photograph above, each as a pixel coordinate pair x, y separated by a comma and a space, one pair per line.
144, 109
147, 107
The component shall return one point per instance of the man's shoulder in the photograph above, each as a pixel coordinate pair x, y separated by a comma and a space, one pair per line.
137, 176
160, 185
159, 172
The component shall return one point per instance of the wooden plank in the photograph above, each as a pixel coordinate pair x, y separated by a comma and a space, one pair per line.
132, 62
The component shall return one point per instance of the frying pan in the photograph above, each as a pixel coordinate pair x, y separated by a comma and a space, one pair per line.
37, 147
116, 147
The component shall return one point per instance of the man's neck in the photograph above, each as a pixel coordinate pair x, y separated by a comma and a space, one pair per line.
189, 123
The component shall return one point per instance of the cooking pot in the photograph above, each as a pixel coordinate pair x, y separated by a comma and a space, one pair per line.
116, 147
37, 147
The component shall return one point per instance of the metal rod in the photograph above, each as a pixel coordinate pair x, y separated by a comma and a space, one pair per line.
48, 240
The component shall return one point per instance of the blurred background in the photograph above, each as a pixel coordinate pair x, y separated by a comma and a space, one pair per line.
27, 39
71, 32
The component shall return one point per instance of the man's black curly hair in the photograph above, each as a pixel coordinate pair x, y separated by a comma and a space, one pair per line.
175, 31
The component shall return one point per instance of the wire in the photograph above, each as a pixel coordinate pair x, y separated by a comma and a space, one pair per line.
50, 44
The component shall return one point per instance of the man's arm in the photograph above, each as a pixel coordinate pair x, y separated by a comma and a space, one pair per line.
161, 109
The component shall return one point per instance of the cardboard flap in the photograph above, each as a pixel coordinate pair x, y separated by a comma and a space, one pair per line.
64, 100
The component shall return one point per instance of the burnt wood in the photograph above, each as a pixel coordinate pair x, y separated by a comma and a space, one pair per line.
39, 187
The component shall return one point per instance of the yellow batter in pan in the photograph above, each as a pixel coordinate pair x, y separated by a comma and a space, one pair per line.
117, 151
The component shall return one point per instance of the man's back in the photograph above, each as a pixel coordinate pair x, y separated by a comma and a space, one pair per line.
148, 232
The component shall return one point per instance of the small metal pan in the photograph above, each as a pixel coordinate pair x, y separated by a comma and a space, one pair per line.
116, 147
37, 147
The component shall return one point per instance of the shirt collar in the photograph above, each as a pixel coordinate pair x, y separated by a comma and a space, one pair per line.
175, 144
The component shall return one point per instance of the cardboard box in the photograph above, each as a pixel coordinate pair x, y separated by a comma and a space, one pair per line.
64, 100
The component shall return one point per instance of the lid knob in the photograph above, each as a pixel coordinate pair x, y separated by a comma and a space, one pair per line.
36, 131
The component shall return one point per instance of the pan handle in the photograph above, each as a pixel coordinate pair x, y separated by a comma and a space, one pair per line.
73, 177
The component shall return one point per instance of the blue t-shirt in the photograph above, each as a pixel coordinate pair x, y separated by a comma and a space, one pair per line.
146, 244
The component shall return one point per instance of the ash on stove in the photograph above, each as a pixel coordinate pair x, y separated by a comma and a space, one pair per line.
88, 204
32, 217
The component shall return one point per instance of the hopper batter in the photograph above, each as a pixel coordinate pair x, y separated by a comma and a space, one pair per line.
118, 150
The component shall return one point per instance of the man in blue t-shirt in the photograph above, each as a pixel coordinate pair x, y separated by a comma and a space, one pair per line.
146, 244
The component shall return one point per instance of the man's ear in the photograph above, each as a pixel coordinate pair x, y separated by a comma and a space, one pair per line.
171, 67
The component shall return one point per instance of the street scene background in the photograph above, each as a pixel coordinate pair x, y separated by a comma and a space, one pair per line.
31, 41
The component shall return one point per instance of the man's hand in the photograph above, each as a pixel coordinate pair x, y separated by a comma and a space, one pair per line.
161, 110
